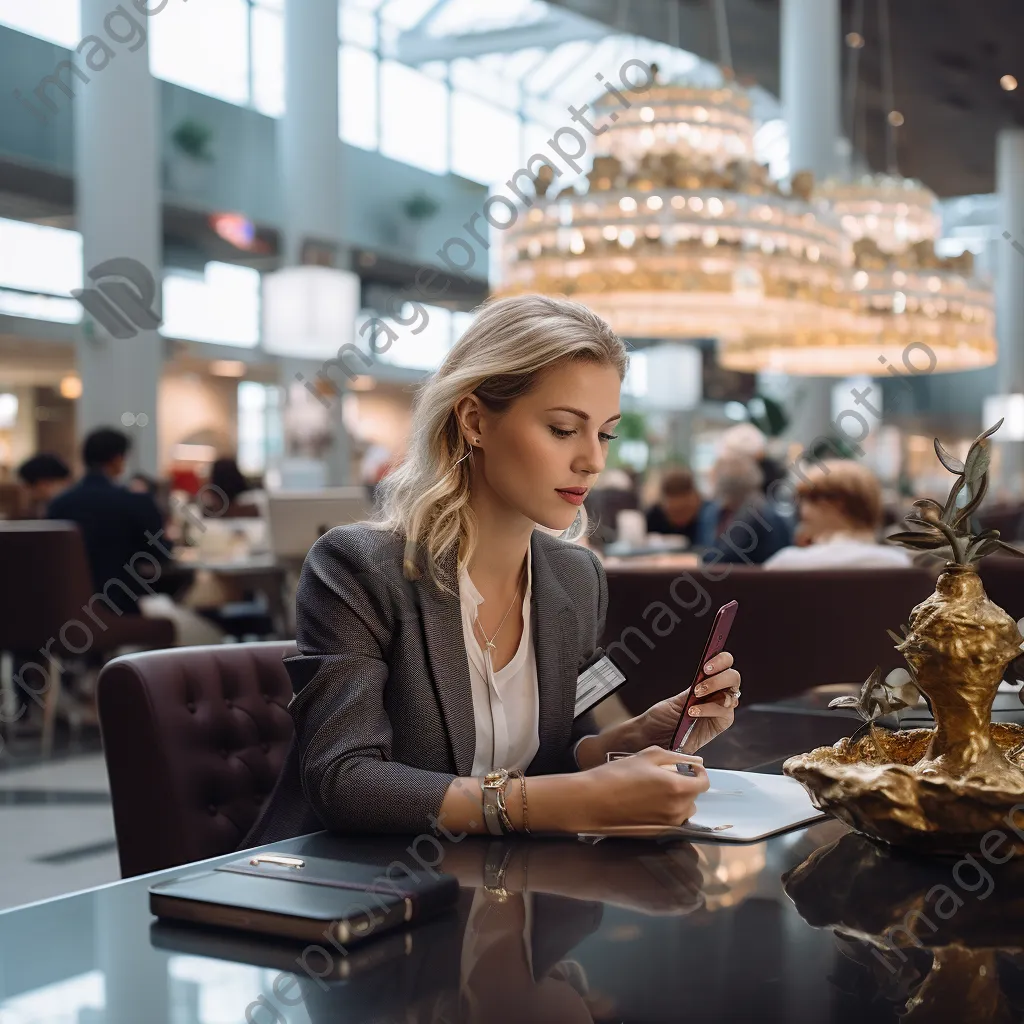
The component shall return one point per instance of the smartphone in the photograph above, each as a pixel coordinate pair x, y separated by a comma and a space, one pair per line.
716, 642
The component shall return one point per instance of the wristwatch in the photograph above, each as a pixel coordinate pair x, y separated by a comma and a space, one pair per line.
494, 782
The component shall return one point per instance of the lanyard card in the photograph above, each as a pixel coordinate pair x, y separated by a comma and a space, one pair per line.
598, 680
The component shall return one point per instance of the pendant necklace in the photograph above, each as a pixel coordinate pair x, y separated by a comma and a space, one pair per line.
489, 640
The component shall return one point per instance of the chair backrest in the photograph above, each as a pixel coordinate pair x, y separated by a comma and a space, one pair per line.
795, 629
194, 739
45, 583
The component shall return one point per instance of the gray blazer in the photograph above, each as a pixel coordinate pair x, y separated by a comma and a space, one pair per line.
382, 703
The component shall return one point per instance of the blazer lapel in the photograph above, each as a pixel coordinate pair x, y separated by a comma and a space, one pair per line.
441, 616
555, 640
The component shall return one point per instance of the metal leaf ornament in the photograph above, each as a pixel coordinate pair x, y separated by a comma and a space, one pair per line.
877, 698
946, 526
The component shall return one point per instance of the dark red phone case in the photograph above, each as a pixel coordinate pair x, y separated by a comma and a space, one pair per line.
717, 639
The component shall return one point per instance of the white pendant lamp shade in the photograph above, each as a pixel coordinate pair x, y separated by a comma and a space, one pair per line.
309, 312
674, 377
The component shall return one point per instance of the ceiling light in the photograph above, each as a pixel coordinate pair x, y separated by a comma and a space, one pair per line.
1008, 82
895, 118
71, 387
854, 40
227, 368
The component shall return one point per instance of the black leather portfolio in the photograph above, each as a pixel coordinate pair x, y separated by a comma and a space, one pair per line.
310, 898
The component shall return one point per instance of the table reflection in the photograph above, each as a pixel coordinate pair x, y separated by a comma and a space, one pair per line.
506, 953
940, 939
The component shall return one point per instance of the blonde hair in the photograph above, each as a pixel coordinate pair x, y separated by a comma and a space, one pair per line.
853, 488
499, 358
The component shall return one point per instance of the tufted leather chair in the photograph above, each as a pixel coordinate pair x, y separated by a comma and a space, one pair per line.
194, 740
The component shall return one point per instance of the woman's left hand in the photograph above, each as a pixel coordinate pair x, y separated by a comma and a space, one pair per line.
713, 715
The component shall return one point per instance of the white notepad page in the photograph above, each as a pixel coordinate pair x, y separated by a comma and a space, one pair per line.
755, 806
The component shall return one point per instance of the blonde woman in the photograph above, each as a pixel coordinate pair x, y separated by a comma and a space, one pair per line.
440, 645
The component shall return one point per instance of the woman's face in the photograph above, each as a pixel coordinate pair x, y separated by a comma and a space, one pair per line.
541, 456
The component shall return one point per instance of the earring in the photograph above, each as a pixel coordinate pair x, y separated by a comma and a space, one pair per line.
575, 528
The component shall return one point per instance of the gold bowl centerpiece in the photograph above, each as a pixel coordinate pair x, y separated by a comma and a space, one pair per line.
937, 790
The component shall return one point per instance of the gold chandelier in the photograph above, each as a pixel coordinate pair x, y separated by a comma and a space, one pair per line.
681, 234
918, 312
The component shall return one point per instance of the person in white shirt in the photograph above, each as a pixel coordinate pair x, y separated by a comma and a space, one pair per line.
840, 518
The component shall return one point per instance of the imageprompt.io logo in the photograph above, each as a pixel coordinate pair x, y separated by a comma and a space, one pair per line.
123, 298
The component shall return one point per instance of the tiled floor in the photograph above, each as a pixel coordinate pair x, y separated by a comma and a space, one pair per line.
56, 826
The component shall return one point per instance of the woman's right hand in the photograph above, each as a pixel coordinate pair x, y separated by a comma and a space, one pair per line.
644, 789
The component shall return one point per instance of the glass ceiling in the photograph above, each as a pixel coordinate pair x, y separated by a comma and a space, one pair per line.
552, 70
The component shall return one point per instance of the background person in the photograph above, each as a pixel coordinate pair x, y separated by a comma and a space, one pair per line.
841, 513
442, 642
114, 521
42, 477
679, 507
746, 526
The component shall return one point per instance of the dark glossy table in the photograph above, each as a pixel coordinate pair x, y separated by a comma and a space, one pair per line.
621, 931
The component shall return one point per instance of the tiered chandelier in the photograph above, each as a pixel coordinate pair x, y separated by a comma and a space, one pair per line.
918, 310
682, 235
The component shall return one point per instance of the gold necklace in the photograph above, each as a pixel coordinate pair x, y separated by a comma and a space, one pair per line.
489, 640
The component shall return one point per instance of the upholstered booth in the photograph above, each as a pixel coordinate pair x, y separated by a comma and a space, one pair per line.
194, 740
795, 629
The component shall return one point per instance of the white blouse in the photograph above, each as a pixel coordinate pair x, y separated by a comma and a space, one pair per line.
506, 705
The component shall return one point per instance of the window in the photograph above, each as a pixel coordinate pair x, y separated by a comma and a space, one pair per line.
223, 306
204, 47
267, 60
357, 97
422, 351
35, 258
485, 141
357, 22
414, 118
259, 426
56, 21
39, 267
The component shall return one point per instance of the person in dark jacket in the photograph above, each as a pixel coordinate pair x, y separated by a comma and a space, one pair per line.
747, 527
123, 530
679, 507
42, 477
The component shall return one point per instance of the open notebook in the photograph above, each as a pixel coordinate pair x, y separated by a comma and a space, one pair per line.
752, 806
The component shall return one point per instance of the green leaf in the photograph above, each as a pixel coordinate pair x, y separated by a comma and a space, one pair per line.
950, 462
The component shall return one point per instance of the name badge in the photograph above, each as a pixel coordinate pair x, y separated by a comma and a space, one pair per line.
598, 680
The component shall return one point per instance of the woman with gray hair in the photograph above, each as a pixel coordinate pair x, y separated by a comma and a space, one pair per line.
440, 646
747, 527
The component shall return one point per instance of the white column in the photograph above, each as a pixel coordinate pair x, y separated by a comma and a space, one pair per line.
117, 200
1009, 286
810, 38
309, 158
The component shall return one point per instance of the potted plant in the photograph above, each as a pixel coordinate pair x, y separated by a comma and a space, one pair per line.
417, 209
938, 790
192, 160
